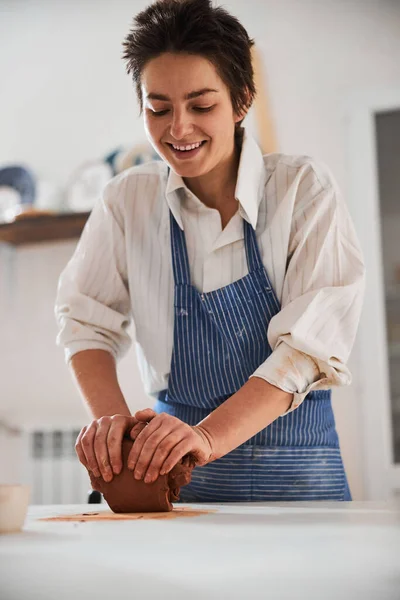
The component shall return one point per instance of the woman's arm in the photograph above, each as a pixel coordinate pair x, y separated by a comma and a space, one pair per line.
312, 335
255, 406
93, 312
98, 445
166, 439
96, 376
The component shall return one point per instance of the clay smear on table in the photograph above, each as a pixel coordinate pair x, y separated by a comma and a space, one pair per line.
110, 516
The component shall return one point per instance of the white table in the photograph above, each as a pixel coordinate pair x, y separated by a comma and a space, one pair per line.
324, 550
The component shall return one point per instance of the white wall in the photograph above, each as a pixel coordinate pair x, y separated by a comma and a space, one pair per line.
64, 98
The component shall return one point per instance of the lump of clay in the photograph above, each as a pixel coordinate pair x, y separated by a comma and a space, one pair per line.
125, 494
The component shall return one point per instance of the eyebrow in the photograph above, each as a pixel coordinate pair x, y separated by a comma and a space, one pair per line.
190, 96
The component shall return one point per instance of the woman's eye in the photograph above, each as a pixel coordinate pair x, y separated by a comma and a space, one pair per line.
203, 108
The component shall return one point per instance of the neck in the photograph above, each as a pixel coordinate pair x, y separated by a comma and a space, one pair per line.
216, 189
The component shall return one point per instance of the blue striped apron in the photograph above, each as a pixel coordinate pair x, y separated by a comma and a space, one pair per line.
219, 341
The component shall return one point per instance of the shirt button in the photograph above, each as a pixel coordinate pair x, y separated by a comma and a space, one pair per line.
202, 297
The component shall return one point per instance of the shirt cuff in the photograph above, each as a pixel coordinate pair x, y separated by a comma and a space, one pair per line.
292, 371
75, 347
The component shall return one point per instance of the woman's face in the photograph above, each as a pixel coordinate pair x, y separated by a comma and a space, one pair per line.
186, 103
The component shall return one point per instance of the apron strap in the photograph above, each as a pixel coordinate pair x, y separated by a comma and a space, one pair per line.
254, 261
180, 259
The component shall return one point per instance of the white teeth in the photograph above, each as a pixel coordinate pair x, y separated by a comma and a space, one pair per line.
188, 147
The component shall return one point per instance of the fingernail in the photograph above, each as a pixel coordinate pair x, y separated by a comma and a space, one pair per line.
148, 479
117, 470
138, 475
108, 477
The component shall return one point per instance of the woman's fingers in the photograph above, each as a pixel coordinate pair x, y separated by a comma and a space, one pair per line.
151, 440
144, 417
172, 448
175, 455
78, 447
165, 438
147, 414
108, 443
101, 448
154, 453
181, 442
136, 429
99, 445
119, 425
139, 443
86, 445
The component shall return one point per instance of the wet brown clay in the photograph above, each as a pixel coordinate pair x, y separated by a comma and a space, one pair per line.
125, 494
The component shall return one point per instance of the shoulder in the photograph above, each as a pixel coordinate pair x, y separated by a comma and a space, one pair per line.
298, 167
124, 183
126, 189
298, 179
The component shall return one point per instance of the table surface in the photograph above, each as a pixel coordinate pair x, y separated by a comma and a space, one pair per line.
312, 550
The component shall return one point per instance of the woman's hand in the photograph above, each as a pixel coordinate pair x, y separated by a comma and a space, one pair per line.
99, 444
163, 442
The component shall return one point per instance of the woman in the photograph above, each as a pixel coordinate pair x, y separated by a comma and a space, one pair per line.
242, 274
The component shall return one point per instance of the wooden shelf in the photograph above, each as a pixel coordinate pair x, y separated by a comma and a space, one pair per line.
44, 228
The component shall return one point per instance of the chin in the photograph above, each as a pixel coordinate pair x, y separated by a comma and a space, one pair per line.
195, 168
189, 171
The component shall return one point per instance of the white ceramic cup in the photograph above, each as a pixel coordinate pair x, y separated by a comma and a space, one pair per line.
14, 500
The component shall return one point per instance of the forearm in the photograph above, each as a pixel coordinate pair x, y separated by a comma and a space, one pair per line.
252, 408
96, 376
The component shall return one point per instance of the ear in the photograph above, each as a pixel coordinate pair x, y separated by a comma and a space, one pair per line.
244, 110
241, 115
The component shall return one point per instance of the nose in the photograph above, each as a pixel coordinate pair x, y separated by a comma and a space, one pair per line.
181, 125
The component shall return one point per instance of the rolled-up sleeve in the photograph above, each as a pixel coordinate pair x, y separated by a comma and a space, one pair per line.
93, 304
312, 335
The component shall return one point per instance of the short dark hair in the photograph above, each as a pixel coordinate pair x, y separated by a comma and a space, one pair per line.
193, 27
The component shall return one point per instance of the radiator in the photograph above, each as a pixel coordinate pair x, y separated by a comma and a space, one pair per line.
52, 467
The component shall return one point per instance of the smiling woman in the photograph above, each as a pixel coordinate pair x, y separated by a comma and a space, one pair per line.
190, 120
230, 264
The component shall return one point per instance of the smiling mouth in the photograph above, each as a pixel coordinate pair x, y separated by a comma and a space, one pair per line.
186, 153
178, 147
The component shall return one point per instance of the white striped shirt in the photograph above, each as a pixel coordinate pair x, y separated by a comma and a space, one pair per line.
122, 269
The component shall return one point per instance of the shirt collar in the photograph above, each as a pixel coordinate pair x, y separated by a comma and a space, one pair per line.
249, 186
